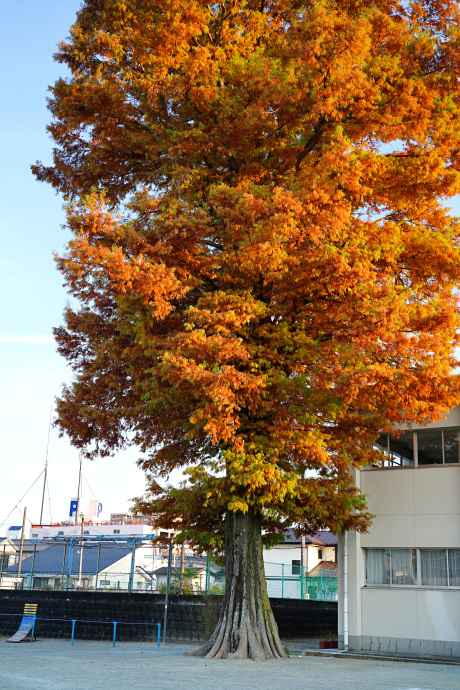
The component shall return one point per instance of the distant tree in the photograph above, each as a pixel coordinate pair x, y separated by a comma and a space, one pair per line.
266, 268
188, 584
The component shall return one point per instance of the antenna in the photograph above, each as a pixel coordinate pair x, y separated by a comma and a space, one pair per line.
46, 465
79, 489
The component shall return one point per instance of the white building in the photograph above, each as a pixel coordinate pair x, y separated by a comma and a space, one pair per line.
317, 580
91, 528
319, 547
404, 574
121, 524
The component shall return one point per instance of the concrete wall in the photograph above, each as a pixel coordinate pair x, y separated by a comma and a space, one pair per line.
189, 617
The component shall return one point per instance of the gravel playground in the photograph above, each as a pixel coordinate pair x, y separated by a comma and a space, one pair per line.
54, 664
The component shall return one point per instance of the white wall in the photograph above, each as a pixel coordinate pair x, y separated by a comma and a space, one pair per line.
414, 507
98, 530
425, 614
286, 553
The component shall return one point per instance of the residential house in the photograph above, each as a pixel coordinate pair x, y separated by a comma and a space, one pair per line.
200, 576
7, 559
284, 575
101, 565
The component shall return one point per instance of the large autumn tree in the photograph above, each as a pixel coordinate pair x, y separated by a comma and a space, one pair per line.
264, 261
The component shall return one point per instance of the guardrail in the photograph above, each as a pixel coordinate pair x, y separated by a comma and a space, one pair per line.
74, 621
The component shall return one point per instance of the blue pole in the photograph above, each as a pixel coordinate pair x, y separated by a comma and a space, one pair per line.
73, 630
159, 631
282, 581
321, 584
114, 632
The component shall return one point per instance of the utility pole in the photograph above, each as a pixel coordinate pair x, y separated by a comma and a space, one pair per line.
182, 564
22, 544
78, 492
302, 564
81, 549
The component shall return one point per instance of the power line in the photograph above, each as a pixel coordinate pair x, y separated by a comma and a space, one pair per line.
94, 495
17, 504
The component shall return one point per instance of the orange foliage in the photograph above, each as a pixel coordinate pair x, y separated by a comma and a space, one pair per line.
266, 267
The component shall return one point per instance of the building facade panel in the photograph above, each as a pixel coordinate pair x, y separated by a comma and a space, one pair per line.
389, 491
389, 613
400, 527
438, 615
437, 490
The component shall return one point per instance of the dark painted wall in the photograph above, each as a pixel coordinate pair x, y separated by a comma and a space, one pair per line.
189, 617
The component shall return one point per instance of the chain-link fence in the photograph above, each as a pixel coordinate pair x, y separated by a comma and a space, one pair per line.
141, 565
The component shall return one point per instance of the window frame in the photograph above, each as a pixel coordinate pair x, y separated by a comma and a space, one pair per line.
419, 585
415, 464
390, 583
295, 567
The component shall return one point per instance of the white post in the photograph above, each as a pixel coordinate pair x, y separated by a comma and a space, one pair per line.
345, 591
81, 549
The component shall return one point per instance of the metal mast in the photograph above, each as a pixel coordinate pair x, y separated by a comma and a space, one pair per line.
78, 492
46, 466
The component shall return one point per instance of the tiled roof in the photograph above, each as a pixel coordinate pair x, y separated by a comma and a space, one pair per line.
194, 562
328, 538
323, 566
175, 572
321, 538
29, 544
49, 561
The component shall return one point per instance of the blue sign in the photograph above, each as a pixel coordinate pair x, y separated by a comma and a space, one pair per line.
99, 509
73, 508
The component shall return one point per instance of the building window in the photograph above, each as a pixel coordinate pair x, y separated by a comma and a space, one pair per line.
60, 534
453, 556
295, 567
399, 450
116, 531
320, 554
434, 567
391, 567
422, 447
86, 531
399, 567
34, 536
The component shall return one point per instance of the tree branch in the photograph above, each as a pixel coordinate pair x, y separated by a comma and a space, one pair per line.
319, 129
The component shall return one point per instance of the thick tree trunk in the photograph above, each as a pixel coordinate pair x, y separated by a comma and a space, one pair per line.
247, 628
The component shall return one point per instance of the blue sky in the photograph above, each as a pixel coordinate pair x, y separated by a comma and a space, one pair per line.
31, 294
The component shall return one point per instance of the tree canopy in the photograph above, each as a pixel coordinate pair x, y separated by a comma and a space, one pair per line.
266, 267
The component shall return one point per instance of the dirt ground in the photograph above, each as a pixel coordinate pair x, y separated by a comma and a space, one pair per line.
54, 664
